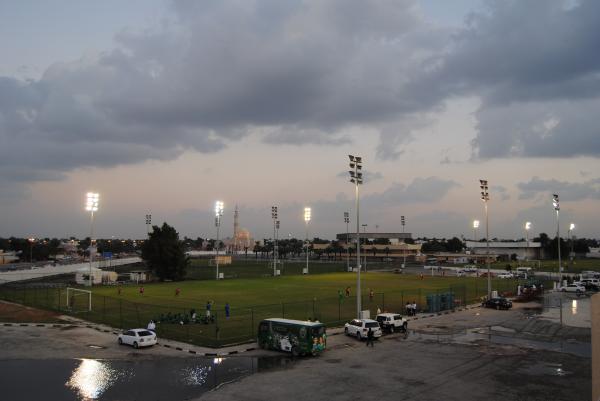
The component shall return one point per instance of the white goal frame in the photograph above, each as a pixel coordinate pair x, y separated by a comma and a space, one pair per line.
75, 291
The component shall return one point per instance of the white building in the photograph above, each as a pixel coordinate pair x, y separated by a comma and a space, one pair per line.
525, 250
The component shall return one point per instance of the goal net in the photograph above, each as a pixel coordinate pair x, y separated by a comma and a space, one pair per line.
79, 300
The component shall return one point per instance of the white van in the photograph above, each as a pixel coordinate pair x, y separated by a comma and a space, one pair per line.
524, 272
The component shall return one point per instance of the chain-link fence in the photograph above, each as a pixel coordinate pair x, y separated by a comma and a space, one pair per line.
239, 325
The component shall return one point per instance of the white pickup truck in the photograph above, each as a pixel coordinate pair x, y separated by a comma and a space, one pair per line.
392, 322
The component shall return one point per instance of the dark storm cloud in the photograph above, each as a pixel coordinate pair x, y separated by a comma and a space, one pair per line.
536, 67
567, 191
302, 72
298, 72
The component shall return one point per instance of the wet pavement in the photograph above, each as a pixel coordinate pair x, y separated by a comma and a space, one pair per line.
123, 380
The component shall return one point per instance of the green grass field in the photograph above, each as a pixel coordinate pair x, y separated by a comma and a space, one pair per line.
293, 296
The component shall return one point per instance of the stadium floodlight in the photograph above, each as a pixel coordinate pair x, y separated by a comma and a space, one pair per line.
148, 223
347, 221
218, 215
356, 179
485, 197
556, 204
274, 215
475, 227
307, 215
527, 228
91, 205
571, 240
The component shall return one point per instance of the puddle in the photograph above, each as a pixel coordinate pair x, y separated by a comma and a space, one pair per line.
126, 380
545, 369
504, 336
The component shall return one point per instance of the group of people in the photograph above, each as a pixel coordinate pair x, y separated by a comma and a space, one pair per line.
411, 308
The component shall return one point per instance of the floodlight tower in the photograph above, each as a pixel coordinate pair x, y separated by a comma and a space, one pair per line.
31, 241
475, 227
307, 220
571, 228
148, 224
91, 206
485, 197
356, 178
347, 221
527, 228
556, 204
218, 215
403, 223
274, 217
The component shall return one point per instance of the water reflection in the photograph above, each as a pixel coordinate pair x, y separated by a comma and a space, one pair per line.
92, 378
126, 380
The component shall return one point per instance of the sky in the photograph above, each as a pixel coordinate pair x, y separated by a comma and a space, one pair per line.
164, 107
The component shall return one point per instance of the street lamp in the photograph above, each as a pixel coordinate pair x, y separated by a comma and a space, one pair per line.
275, 224
527, 228
571, 228
218, 215
357, 179
306, 220
347, 221
91, 206
31, 241
556, 204
485, 197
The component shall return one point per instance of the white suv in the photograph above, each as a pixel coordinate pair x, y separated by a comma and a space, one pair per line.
360, 327
577, 288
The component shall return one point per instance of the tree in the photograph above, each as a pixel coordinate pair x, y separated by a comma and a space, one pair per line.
454, 245
164, 253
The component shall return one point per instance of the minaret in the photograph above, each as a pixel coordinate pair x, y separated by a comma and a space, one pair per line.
235, 229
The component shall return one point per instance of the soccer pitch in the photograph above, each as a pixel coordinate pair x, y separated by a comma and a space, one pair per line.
317, 296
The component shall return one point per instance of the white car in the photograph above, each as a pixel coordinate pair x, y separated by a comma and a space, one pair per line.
138, 338
573, 288
461, 273
470, 268
505, 275
360, 327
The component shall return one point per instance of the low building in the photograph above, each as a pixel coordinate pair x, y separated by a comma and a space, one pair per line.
374, 251
394, 238
8, 257
82, 276
524, 250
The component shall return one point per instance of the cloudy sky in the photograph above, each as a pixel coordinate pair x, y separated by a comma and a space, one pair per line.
164, 107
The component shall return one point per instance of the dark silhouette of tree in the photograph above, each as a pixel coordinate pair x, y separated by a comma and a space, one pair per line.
164, 253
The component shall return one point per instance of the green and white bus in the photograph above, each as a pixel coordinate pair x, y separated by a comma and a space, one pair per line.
296, 336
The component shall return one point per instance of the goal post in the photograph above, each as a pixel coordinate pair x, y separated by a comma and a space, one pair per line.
79, 300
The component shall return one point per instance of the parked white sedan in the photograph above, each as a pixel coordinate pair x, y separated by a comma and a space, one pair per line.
359, 328
137, 338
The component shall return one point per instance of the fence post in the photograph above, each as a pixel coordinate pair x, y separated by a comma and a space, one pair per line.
383, 300
283, 310
120, 313
313, 311
339, 309
252, 321
103, 308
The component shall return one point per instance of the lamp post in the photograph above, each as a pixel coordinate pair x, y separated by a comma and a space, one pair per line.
31, 241
485, 197
556, 204
527, 228
347, 221
218, 215
91, 206
275, 222
403, 223
357, 179
571, 228
306, 220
